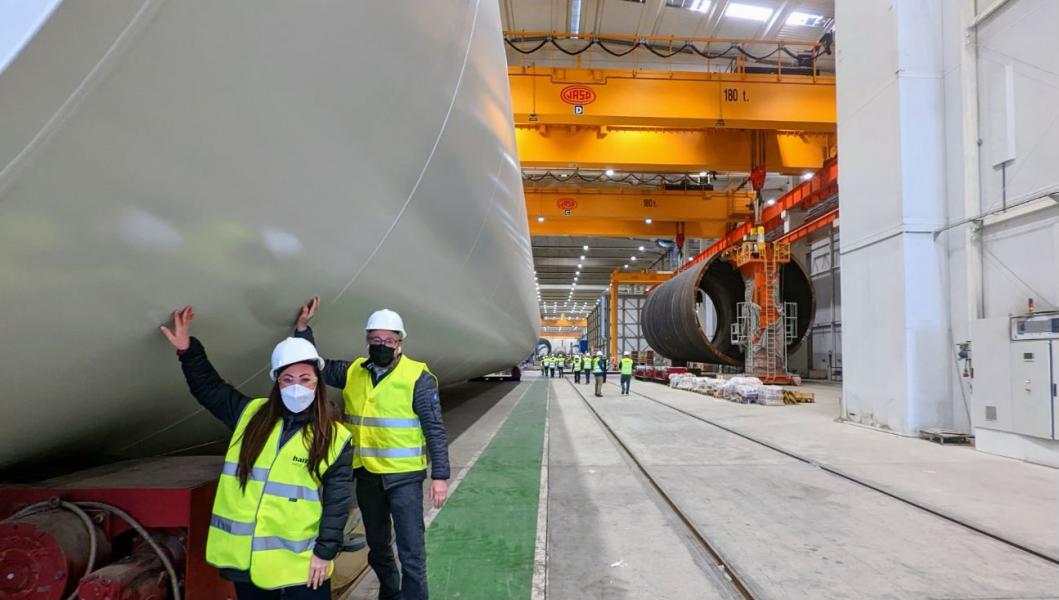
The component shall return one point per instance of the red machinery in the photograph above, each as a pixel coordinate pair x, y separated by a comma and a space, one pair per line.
113, 533
660, 373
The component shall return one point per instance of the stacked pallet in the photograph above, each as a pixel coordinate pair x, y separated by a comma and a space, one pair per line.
798, 397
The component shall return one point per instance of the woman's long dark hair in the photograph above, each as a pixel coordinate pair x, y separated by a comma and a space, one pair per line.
317, 434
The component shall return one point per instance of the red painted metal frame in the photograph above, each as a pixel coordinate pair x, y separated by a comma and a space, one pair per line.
821, 186
807, 228
186, 507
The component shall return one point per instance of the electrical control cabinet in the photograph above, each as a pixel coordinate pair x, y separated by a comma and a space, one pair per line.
1016, 364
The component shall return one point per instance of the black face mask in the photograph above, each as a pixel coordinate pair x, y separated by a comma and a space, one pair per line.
380, 355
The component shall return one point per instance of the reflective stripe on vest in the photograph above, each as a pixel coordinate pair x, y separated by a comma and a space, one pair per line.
387, 436
270, 527
626, 366
597, 365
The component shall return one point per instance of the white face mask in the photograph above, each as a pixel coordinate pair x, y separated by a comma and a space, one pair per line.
297, 397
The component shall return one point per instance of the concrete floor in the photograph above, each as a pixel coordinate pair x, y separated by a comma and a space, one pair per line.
787, 528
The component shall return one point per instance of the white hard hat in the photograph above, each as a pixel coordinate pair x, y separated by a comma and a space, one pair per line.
385, 319
599, 353
293, 350
627, 353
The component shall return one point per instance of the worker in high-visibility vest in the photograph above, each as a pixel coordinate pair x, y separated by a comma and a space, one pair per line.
626, 372
393, 410
560, 364
576, 366
586, 364
546, 365
599, 368
284, 490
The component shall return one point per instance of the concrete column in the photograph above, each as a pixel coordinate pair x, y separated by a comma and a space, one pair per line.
891, 109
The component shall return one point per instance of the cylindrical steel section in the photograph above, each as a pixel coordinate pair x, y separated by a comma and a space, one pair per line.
670, 316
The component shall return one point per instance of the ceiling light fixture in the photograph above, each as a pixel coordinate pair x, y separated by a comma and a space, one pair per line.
582, 257
540, 218
770, 202
640, 248
610, 172
648, 220
585, 247
807, 175
632, 258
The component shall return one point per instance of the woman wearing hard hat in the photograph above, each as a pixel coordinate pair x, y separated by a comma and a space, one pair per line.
283, 494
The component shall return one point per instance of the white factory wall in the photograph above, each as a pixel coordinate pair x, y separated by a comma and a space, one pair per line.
890, 147
911, 297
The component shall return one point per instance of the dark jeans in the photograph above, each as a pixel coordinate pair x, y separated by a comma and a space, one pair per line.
401, 505
577, 376
588, 377
244, 590
626, 380
560, 371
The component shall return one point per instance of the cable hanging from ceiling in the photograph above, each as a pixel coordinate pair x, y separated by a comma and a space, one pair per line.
630, 178
667, 51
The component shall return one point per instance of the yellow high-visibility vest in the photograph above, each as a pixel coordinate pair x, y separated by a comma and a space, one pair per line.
626, 366
577, 364
597, 365
269, 528
387, 435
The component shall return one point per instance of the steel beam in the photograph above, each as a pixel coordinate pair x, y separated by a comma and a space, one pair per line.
657, 150
670, 99
564, 322
637, 205
624, 229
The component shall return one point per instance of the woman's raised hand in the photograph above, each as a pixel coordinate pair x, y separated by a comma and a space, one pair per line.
179, 335
306, 313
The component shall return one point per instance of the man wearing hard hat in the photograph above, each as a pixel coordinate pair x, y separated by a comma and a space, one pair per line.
626, 372
599, 369
391, 407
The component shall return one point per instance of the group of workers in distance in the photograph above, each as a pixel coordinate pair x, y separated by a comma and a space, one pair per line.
584, 365
287, 483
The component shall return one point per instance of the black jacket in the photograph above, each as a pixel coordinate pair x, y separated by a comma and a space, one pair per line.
227, 404
426, 404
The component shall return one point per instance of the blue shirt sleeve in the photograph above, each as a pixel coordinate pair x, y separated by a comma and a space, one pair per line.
426, 402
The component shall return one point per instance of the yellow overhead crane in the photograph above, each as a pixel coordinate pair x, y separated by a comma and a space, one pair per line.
668, 121
634, 212
671, 99
564, 322
670, 150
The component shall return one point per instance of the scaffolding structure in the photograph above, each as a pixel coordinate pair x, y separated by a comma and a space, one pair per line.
765, 323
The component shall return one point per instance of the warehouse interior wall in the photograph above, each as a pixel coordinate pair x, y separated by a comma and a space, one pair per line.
926, 145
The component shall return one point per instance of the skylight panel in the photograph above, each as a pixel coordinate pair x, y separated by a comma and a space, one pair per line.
748, 11
805, 19
692, 5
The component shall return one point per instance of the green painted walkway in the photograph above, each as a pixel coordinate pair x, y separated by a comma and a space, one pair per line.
480, 546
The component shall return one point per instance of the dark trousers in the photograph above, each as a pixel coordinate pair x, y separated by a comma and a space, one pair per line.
244, 590
588, 377
626, 381
560, 371
401, 505
577, 376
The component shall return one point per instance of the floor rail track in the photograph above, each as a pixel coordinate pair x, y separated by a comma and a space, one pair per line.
727, 572
854, 479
